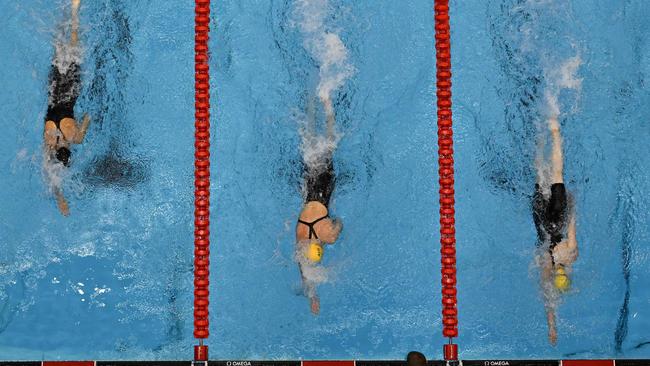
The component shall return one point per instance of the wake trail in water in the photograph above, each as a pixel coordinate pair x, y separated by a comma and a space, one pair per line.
331, 56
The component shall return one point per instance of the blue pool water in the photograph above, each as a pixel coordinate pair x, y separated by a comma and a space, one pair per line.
113, 280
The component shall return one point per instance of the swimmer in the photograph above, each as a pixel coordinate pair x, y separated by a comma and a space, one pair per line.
415, 358
315, 228
554, 217
61, 128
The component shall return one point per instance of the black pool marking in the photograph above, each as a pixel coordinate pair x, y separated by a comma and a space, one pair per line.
626, 210
114, 170
641, 345
632, 362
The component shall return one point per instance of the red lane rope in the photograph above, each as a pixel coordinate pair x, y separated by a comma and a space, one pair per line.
446, 178
201, 176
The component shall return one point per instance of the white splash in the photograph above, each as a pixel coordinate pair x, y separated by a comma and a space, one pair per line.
316, 148
78, 288
65, 54
561, 77
83, 250
98, 292
324, 45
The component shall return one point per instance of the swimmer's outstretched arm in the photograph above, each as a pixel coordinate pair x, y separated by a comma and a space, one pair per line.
61, 202
557, 159
547, 278
81, 133
552, 330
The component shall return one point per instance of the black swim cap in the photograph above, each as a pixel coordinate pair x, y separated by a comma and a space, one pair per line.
63, 155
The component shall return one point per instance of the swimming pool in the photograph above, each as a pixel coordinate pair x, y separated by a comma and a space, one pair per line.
113, 280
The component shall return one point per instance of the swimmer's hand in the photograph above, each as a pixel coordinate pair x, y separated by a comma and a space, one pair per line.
81, 133
315, 305
75, 4
552, 336
63, 205
552, 330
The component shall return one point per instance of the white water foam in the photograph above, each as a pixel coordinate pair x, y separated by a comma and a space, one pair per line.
562, 77
326, 47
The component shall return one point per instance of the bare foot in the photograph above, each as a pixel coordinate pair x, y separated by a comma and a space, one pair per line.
315, 305
75, 4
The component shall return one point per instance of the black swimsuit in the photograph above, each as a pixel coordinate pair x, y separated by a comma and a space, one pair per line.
310, 225
319, 182
63, 93
550, 215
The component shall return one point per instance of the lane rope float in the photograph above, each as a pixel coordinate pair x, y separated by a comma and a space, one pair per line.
201, 177
446, 179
